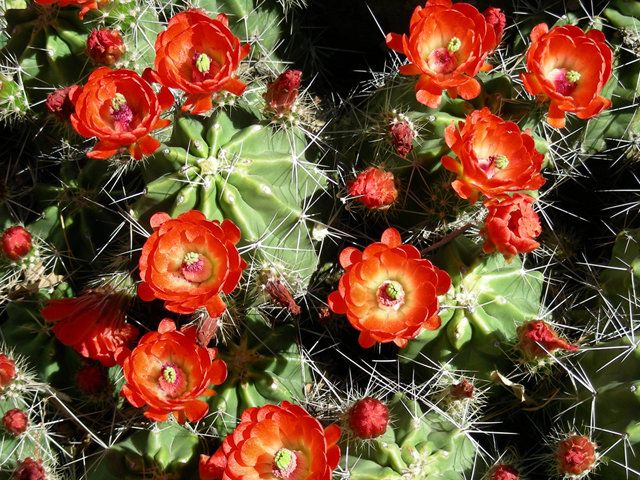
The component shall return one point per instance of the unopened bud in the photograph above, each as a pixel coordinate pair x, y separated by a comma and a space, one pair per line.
15, 421
282, 93
368, 418
105, 46
16, 243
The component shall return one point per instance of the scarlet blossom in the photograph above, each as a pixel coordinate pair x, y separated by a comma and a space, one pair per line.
16, 243
279, 442
188, 261
85, 5
447, 46
538, 339
575, 455
494, 157
198, 55
15, 421
503, 471
368, 418
495, 17
105, 46
59, 105
282, 93
168, 371
401, 135
375, 188
511, 225
29, 469
92, 323
389, 293
7, 371
569, 67
121, 109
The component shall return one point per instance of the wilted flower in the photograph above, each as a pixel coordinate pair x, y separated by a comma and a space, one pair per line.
511, 225
494, 157
29, 469
121, 109
198, 55
401, 135
537, 340
447, 46
16, 243
569, 67
168, 371
282, 442
105, 46
59, 104
188, 261
389, 293
92, 323
463, 389
375, 188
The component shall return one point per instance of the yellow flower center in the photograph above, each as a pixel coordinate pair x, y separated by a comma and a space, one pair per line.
203, 63
390, 295
284, 463
454, 44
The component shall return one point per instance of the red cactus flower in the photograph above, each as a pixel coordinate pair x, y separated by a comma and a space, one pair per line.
368, 418
447, 46
401, 135
575, 455
59, 105
375, 188
537, 340
570, 68
511, 226
92, 380
282, 93
188, 261
497, 20
29, 469
168, 371
15, 421
7, 371
85, 5
198, 55
105, 46
16, 243
502, 471
280, 442
389, 293
121, 109
494, 157
93, 323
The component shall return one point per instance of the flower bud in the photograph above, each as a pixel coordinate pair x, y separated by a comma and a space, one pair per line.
282, 93
375, 188
495, 17
92, 380
105, 46
59, 104
575, 455
29, 469
7, 371
16, 243
502, 471
15, 421
368, 418
401, 137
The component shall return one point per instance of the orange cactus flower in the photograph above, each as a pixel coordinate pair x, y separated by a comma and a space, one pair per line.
93, 323
538, 339
279, 442
511, 226
447, 46
198, 55
85, 5
168, 371
188, 261
121, 109
570, 68
389, 293
494, 156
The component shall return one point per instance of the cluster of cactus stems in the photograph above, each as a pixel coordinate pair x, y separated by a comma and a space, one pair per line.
211, 270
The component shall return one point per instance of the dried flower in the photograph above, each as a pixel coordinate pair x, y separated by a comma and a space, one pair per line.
537, 340
59, 104
401, 135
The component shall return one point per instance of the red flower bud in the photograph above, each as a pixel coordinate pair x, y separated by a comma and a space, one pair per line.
59, 104
29, 469
368, 418
16, 243
92, 380
282, 93
464, 389
105, 47
7, 371
575, 455
537, 338
494, 17
503, 471
15, 421
401, 136
375, 188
